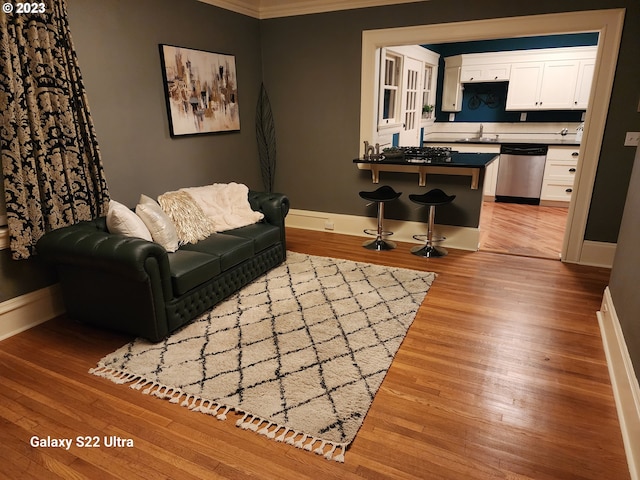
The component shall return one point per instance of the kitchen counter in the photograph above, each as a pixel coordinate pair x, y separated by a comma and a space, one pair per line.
469, 164
551, 140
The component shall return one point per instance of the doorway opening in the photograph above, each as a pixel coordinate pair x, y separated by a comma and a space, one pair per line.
607, 23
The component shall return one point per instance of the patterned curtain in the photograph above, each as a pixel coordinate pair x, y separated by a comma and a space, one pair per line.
53, 174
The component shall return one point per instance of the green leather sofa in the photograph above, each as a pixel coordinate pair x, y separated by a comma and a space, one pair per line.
134, 286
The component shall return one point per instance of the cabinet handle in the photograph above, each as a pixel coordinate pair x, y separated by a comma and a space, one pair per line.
495, 78
471, 78
572, 170
575, 154
569, 190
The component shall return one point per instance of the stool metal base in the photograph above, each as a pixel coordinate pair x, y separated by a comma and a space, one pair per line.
379, 244
424, 237
383, 233
429, 251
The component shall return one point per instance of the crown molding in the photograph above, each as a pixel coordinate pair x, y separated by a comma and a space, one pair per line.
264, 9
250, 8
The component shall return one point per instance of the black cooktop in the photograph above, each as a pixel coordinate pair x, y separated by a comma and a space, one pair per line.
419, 154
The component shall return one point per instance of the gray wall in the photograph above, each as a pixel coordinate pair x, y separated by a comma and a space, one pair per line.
312, 71
117, 45
624, 274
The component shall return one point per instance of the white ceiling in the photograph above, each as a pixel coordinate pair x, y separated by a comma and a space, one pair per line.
284, 8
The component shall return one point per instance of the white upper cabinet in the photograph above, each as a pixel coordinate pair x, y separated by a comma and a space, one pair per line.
524, 86
543, 79
583, 85
485, 73
451, 90
558, 84
542, 85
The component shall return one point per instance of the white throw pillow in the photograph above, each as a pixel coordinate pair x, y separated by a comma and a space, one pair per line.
121, 220
162, 229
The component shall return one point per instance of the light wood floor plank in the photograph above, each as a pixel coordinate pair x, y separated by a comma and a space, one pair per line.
501, 376
516, 229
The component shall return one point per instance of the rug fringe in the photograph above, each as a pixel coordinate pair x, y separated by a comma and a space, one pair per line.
259, 425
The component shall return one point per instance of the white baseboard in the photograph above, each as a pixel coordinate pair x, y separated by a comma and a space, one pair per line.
463, 238
28, 310
624, 381
597, 254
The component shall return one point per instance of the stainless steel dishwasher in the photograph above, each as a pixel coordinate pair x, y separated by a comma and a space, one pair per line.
520, 173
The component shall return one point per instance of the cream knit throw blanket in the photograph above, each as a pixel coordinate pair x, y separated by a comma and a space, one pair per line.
226, 204
197, 212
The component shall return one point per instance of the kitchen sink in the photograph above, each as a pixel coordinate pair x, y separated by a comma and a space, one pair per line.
479, 139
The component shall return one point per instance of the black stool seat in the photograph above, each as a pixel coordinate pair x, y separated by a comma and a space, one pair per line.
432, 199
380, 196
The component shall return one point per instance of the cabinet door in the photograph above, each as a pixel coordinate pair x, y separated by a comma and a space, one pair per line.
558, 85
411, 102
497, 72
471, 74
451, 90
556, 191
524, 84
567, 153
485, 73
583, 87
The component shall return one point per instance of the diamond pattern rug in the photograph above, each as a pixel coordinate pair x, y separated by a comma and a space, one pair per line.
300, 353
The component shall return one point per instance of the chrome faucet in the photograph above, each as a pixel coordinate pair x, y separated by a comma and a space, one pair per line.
564, 131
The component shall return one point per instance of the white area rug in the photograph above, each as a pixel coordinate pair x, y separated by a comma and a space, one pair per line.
300, 352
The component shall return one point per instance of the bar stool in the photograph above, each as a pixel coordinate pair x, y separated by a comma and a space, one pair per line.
432, 199
380, 196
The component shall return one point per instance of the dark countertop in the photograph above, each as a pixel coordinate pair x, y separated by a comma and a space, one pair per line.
558, 140
461, 160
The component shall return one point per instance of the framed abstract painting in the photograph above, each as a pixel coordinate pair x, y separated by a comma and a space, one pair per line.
201, 90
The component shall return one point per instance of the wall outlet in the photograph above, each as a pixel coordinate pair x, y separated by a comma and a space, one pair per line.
452, 117
632, 139
328, 225
523, 117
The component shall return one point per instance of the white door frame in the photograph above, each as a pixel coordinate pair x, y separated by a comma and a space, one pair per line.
608, 23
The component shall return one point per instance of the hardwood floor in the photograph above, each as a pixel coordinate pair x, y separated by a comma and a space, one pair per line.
501, 376
529, 230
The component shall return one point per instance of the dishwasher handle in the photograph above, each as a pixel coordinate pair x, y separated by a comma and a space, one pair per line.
524, 149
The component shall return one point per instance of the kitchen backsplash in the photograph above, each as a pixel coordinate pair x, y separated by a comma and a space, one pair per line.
538, 129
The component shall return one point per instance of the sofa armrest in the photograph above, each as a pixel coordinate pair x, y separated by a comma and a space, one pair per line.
275, 206
87, 247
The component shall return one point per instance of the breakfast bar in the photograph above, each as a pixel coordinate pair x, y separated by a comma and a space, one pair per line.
428, 160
